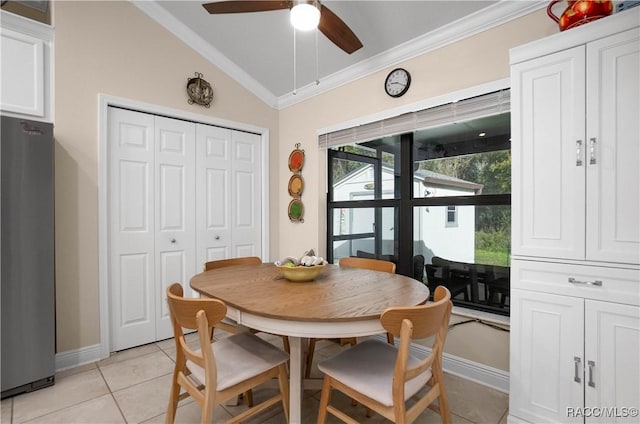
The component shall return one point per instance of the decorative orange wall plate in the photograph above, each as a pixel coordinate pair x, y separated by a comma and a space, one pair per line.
296, 159
296, 185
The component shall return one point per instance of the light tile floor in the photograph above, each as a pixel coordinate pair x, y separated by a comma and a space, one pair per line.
132, 386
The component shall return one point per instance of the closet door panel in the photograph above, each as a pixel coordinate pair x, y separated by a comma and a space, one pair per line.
174, 212
246, 190
213, 179
131, 228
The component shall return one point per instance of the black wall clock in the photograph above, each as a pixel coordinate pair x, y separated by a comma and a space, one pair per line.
397, 82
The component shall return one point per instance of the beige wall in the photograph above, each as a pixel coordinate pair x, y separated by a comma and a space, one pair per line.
476, 60
113, 48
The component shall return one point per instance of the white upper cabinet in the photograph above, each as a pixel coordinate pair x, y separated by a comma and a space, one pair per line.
25, 72
613, 148
576, 152
548, 115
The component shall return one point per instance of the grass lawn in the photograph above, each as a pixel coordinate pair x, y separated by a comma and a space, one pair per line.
488, 257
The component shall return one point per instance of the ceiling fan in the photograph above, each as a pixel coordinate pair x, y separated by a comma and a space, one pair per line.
330, 24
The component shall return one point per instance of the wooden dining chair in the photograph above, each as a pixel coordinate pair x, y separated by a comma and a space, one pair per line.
228, 324
221, 263
367, 263
383, 377
352, 262
219, 371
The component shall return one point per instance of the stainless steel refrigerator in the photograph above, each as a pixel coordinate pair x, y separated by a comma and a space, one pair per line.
27, 256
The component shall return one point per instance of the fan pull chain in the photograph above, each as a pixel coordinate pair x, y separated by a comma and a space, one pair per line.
317, 60
294, 63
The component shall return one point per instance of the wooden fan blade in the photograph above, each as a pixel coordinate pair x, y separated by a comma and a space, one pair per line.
337, 31
245, 6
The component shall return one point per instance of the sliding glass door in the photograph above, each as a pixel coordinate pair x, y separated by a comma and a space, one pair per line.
363, 190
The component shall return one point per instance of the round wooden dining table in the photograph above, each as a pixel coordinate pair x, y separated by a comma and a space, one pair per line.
340, 302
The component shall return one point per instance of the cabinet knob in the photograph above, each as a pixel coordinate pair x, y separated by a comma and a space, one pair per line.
217, 237
173, 240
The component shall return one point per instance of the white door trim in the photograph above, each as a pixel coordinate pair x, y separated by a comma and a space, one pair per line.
104, 101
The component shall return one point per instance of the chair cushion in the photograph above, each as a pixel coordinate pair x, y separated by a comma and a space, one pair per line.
239, 357
368, 368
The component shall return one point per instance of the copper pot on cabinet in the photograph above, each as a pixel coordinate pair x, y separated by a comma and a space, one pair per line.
580, 12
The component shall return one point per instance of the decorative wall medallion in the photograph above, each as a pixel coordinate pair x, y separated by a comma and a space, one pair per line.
296, 159
296, 210
296, 185
199, 91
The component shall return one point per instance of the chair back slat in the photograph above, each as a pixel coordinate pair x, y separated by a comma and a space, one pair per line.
184, 310
366, 263
248, 260
426, 319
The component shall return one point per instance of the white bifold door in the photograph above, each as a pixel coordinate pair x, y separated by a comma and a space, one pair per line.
176, 199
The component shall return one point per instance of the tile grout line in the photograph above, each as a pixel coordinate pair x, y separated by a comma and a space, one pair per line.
111, 393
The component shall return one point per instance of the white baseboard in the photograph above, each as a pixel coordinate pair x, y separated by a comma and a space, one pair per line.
464, 368
77, 357
474, 371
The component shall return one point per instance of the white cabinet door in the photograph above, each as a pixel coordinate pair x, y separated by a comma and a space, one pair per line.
547, 344
174, 193
131, 228
246, 198
612, 353
548, 187
22, 73
213, 198
613, 162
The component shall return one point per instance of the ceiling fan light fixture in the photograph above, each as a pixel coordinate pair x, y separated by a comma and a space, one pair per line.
305, 16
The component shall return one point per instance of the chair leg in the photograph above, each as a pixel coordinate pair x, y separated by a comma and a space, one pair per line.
312, 347
208, 407
174, 397
324, 400
443, 400
249, 395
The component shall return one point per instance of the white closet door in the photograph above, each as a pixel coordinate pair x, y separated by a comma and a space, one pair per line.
246, 192
174, 211
213, 199
131, 228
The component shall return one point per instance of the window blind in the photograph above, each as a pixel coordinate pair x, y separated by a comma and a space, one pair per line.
463, 110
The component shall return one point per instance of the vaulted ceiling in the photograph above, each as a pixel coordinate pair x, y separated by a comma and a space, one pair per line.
257, 49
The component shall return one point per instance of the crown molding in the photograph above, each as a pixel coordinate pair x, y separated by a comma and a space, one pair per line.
483, 20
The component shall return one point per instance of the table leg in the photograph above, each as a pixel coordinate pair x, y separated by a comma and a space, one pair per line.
298, 346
